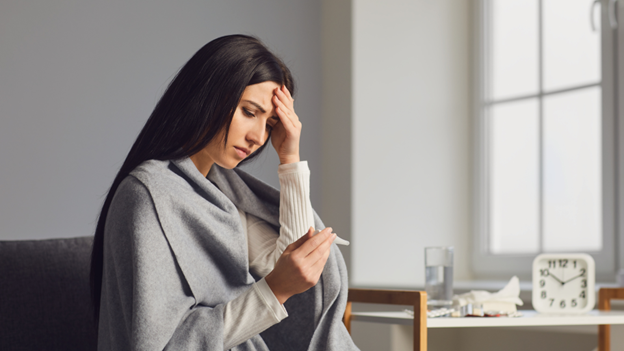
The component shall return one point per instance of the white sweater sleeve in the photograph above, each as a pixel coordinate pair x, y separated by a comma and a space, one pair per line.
257, 309
295, 218
251, 313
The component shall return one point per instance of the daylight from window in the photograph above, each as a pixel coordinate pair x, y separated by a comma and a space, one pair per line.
542, 112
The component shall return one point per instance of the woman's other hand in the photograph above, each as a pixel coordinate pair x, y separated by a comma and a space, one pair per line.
286, 134
301, 264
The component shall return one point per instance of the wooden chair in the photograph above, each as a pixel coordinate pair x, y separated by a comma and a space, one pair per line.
418, 299
605, 295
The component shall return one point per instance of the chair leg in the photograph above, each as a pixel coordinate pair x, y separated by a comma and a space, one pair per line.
420, 323
347, 317
604, 338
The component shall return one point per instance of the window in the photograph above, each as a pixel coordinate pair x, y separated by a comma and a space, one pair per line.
546, 152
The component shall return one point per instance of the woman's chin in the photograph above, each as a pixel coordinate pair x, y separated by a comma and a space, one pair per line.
230, 164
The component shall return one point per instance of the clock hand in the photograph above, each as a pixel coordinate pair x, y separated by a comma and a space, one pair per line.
571, 279
557, 279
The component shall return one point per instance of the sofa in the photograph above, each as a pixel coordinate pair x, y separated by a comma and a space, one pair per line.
45, 299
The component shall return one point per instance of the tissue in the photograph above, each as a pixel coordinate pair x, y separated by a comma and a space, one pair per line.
504, 300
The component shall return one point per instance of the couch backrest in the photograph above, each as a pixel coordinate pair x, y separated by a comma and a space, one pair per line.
44, 295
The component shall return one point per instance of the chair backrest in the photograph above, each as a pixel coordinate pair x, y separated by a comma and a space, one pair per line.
416, 299
44, 295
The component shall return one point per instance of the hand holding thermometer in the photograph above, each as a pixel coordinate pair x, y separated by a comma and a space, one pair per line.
338, 240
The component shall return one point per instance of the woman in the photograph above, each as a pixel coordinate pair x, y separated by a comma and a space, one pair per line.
193, 254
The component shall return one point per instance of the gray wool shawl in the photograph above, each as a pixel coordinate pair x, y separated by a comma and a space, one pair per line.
175, 253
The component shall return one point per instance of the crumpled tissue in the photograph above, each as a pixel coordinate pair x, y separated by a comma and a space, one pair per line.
504, 300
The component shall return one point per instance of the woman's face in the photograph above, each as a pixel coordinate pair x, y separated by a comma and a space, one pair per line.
253, 119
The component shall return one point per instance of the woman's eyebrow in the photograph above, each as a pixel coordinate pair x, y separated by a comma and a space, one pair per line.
256, 105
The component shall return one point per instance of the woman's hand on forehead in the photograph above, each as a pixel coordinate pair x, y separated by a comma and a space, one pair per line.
286, 134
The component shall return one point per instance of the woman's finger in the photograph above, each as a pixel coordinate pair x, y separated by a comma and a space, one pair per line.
285, 97
319, 265
287, 101
282, 99
322, 251
297, 244
287, 92
281, 109
284, 102
314, 242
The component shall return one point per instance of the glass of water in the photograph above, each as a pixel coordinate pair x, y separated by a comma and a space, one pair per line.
439, 276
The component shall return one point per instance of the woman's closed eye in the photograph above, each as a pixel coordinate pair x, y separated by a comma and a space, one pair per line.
248, 113
252, 115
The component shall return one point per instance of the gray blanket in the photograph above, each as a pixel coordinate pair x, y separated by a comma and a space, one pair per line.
175, 253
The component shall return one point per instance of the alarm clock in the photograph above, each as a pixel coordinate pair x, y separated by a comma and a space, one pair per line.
564, 283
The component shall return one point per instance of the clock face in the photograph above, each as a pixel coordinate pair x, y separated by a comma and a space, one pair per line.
563, 283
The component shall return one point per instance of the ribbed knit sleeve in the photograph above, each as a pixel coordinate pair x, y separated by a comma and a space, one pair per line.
250, 314
296, 217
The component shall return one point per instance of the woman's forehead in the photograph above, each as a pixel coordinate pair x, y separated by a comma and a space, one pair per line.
260, 95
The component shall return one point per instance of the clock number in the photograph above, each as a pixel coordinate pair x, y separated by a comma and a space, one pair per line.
544, 272
573, 303
583, 283
562, 304
582, 272
552, 264
551, 301
563, 263
543, 294
542, 283
574, 263
582, 295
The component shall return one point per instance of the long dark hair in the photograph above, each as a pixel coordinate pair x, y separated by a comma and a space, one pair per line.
198, 103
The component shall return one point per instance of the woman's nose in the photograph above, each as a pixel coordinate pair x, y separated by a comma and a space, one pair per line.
257, 135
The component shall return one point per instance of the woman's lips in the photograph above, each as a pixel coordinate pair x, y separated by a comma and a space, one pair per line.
242, 153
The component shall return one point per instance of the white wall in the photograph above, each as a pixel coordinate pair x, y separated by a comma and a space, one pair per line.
78, 79
336, 152
411, 135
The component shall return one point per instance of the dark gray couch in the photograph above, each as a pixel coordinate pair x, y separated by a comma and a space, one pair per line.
44, 295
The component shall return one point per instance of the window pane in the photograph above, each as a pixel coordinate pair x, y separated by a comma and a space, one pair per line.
514, 48
514, 177
571, 49
572, 171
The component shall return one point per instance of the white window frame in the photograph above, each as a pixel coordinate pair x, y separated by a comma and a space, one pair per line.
501, 266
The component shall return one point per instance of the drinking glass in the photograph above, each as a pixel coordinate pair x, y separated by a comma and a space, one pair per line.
439, 276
